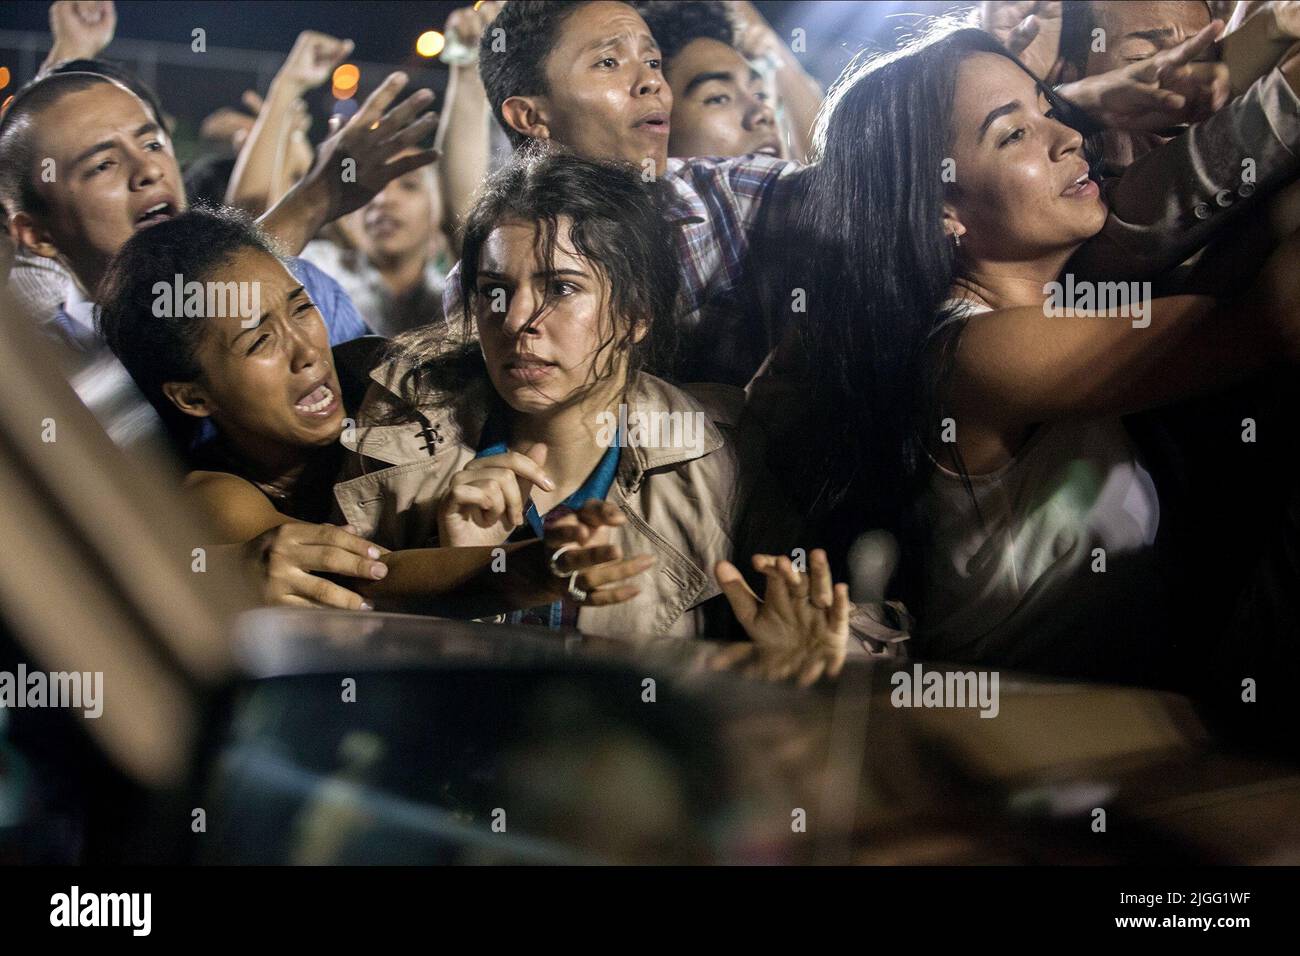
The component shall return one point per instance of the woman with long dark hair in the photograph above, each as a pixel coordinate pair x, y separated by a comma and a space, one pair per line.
567, 277
209, 321
959, 388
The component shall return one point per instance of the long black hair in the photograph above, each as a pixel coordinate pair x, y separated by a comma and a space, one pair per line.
864, 242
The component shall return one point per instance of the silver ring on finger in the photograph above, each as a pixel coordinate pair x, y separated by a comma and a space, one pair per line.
555, 560
578, 594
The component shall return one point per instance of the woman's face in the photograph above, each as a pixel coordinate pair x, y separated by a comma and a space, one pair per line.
550, 362
1020, 189
268, 380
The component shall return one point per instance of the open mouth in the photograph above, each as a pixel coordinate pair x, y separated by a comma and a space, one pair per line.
653, 122
770, 149
1082, 186
319, 402
158, 212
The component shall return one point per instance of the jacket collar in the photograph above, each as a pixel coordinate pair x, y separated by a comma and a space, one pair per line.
681, 415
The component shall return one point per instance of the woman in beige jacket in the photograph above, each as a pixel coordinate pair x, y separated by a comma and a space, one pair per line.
538, 406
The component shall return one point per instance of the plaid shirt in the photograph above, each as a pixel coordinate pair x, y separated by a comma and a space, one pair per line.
718, 202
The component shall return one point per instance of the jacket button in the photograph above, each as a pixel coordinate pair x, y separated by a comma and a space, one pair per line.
1201, 211
1223, 197
1245, 189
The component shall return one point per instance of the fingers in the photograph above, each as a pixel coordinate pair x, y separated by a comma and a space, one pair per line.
1189, 49
582, 559
372, 110
613, 573
811, 672
744, 602
520, 464
777, 592
1023, 35
338, 561
732, 655
252, 101
403, 114
327, 593
821, 587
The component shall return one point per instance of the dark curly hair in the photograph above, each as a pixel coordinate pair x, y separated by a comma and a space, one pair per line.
618, 223
675, 24
154, 349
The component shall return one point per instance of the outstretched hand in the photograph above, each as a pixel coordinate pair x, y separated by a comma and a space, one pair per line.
1169, 89
800, 629
363, 156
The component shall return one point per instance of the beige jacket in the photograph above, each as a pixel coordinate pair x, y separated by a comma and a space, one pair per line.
685, 501
682, 503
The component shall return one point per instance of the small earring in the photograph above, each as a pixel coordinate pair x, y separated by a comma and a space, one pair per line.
956, 241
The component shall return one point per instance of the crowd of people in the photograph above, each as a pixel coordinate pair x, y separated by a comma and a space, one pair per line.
983, 355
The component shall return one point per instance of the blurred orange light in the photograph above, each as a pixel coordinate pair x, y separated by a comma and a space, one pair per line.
346, 77
342, 94
477, 4
5, 105
430, 43
4, 77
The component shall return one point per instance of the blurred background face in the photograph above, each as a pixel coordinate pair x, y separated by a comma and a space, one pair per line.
720, 106
272, 384
1021, 187
607, 95
1137, 30
550, 362
402, 220
114, 173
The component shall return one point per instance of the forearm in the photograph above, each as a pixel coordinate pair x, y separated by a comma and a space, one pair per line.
464, 582
1019, 367
295, 219
800, 96
464, 140
251, 180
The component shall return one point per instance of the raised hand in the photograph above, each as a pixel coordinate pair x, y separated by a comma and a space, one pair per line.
291, 557
1029, 29
81, 28
488, 497
800, 630
362, 157
468, 23
312, 60
1166, 90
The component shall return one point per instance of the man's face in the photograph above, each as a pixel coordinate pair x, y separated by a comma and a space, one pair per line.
720, 106
402, 220
113, 173
1138, 30
608, 98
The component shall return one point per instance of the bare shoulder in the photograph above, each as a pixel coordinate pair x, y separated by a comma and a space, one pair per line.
237, 508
